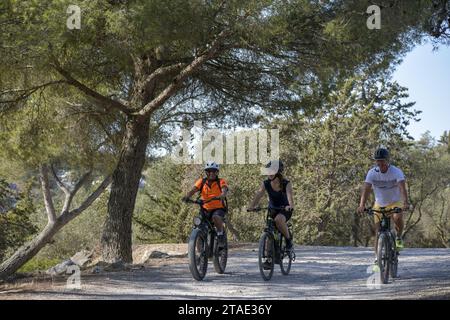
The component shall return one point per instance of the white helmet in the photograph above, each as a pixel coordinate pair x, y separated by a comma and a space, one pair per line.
211, 165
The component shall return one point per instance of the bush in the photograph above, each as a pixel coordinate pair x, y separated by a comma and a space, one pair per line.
38, 264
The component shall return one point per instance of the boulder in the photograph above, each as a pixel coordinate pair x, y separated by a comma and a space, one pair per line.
60, 268
82, 258
158, 255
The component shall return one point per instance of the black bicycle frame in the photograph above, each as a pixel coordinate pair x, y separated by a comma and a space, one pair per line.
273, 231
385, 223
208, 229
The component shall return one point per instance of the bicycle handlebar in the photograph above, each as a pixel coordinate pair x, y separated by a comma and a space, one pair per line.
264, 208
371, 211
201, 202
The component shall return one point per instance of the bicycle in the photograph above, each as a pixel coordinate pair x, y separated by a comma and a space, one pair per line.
203, 244
387, 253
272, 247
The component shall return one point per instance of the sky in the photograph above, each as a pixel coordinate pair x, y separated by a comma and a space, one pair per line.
426, 73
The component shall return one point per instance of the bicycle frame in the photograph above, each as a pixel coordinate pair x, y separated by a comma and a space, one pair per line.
390, 260
385, 223
208, 229
273, 231
205, 225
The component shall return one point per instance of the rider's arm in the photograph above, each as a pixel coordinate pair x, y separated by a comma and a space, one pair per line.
223, 188
224, 191
289, 195
402, 185
259, 194
191, 192
364, 195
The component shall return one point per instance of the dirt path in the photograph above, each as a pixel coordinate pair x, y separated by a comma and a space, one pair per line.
318, 273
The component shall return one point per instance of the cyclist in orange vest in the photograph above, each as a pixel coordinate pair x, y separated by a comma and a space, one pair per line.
209, 187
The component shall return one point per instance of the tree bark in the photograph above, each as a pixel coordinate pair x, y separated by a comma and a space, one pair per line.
116, 238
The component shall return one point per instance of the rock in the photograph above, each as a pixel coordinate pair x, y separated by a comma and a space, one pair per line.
142, 252
99, 266
116, 266
60, 268
82, 258
155, 254
96, 270
158, 255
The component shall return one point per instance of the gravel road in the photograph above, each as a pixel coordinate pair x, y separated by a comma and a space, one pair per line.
318, 273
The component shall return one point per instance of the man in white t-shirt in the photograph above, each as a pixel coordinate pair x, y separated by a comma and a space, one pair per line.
389, 185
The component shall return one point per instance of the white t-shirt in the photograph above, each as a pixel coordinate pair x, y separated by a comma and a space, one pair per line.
385, 185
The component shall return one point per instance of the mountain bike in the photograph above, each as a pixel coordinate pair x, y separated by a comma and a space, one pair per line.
203, 244
272, 247
387, 253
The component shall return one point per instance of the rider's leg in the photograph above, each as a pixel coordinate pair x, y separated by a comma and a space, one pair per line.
280, 221
217, 219
377, 228
218, 223
399, 224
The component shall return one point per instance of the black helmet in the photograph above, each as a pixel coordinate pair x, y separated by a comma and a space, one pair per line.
276, 164
381, 154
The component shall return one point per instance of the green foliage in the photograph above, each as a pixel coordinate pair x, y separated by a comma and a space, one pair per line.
38, 264
280, 57
15, 224
329, 151
160, 215
429, 181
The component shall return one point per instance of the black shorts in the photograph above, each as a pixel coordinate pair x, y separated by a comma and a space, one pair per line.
215, 212
286, 214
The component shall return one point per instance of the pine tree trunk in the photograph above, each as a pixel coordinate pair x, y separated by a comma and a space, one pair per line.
116, 238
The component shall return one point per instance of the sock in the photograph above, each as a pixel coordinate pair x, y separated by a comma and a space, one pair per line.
219, 233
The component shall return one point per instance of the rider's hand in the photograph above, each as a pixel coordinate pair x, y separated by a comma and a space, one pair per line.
361, 209
289, 208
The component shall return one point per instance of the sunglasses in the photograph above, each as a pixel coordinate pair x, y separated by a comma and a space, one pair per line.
211, 170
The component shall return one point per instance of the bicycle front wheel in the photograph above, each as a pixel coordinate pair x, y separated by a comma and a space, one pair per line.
383, 257
266, 256
198, 257
285, 257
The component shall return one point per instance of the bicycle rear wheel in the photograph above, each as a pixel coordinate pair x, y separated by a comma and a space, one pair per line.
220, 255
197, 251
266, 256
394, 266
383, 257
